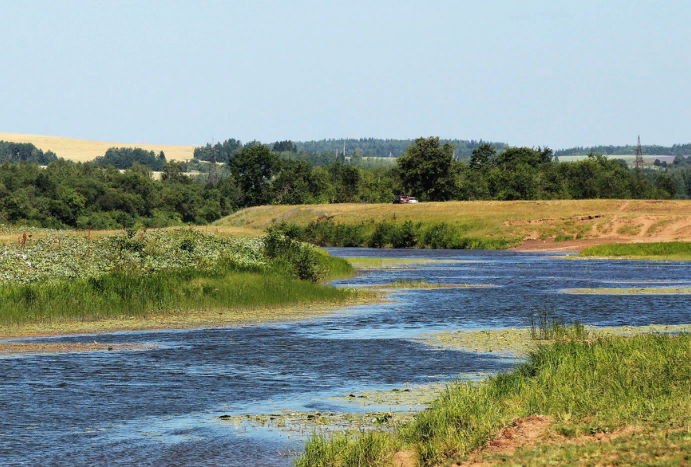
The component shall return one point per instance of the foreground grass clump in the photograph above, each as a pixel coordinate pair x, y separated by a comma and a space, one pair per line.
226, 286
664, 250
587, 387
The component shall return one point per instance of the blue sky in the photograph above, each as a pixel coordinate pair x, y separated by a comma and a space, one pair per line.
529, 72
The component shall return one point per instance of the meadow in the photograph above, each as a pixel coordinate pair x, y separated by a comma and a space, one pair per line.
635, 387
494, 224
82, 150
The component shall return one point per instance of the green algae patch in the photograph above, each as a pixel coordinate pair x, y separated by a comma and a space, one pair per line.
310, 423
402, 404
409, 396
630, 291
520, 342
514, 341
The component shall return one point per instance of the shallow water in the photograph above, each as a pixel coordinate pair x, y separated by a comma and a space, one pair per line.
158, 407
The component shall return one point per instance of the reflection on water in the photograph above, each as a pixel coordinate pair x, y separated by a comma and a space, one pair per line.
158, 407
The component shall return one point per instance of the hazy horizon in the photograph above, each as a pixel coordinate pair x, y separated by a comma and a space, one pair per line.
532, 73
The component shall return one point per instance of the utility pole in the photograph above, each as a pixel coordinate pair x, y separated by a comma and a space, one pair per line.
214, 176
639, 162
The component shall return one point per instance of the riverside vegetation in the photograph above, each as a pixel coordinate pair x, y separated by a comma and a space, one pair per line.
72, 278
620, 382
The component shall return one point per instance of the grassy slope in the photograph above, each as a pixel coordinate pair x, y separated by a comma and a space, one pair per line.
586, 387
611, 219
82, 150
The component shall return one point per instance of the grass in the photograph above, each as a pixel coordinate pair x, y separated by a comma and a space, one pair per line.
82, 150
484, 220
658, 250
658, 226
586, 386
227, 286
630, 229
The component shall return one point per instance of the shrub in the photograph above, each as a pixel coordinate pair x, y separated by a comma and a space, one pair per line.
381, 235
405, 236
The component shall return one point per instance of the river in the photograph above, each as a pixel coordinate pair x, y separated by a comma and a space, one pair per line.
159, 407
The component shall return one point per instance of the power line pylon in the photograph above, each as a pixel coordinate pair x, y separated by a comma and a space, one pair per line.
639, 162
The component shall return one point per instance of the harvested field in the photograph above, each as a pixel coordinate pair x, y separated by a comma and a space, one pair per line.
83, 150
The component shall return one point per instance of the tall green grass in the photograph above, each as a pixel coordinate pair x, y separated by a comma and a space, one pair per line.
587, 386
640, 249
226, 286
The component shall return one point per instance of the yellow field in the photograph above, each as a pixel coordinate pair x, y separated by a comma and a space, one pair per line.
82, 150
536, 222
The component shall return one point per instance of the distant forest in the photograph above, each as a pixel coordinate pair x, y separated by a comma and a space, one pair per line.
374, 147
653, 150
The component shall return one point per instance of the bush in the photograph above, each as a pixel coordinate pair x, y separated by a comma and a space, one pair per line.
299, 259
405, 236
437, 235
381, 235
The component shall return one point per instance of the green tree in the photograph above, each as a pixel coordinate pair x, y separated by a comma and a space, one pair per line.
252, 169
426, 169
483, 157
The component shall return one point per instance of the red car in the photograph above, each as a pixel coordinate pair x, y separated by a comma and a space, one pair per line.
402, 199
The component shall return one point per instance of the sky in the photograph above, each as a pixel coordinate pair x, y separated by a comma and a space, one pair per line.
530, 72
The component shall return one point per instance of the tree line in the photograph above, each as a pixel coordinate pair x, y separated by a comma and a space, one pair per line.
97, 196
656, 150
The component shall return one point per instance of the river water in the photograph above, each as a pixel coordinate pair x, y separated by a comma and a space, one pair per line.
159, 407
